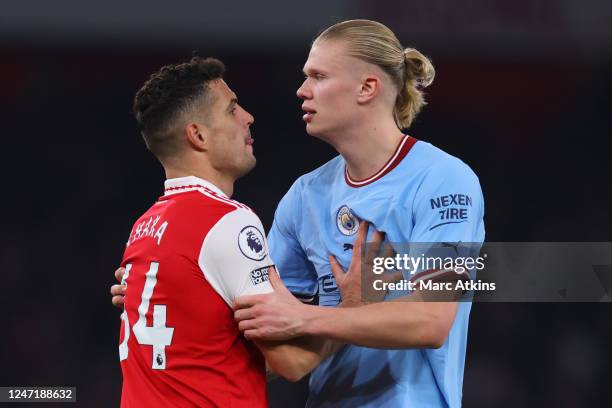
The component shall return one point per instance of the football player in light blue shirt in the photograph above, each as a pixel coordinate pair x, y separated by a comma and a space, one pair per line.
361, 88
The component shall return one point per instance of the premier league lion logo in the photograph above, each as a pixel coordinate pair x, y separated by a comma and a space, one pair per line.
252, 243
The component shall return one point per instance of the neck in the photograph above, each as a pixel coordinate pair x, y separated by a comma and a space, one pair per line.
367, 149
224, 182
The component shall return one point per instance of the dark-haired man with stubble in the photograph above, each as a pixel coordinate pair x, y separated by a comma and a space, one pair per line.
196, 250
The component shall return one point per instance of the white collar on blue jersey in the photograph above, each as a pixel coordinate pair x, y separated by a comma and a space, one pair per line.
182, 184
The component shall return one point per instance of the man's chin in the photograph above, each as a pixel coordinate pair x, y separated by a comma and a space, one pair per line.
312, 130
246, 169
316, 132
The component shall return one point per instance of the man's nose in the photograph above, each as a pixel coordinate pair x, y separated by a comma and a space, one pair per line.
249, 118
303, 91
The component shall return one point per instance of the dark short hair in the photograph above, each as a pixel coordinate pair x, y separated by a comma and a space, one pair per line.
168, 92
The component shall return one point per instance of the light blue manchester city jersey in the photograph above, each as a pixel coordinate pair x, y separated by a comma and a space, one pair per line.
421, 195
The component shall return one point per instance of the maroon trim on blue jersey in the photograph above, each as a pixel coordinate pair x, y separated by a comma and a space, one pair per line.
398, 155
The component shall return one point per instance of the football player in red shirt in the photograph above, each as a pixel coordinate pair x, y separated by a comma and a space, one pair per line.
196, 250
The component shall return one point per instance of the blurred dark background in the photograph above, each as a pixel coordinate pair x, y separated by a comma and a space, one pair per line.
522, 95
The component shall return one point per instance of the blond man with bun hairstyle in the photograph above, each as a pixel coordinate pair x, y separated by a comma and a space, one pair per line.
361, 90
408, 69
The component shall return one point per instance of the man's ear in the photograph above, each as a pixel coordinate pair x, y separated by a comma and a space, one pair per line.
196, 136
370, 87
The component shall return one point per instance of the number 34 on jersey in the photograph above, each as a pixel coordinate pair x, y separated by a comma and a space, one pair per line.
159, 336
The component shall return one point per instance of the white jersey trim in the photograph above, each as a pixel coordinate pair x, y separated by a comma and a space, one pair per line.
192, 183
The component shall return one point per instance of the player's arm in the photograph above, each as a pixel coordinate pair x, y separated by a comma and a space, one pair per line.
412, 323
294, 358
234, 259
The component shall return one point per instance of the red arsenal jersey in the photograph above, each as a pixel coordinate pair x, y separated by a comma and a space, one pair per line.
186, 259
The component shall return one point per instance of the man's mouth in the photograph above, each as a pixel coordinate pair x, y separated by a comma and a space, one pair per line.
307, 117
249, 141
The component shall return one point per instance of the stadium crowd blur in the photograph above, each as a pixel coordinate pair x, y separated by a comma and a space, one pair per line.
522, 95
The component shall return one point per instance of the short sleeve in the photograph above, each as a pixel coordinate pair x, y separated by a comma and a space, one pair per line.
447, 213
449, 206
296, 271
235, 256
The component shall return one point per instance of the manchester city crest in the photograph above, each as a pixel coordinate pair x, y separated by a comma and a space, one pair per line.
252, 243
347, 222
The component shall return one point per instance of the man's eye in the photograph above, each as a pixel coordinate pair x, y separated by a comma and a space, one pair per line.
315, 76
233, 111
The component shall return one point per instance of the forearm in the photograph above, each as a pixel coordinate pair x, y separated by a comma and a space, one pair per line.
295, 358
390, 325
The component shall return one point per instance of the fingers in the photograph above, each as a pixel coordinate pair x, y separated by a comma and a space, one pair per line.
336, 268
252, 334
360, 241
392, 277
119, 273
118, 293
388, 251
276, 281
374, 246
243, 302
244, 314
118, 301
117, 290
247, 325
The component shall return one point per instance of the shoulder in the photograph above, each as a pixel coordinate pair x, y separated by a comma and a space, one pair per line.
204, 197
446, 181
212, 197
438, 165
241, 226
200, 210
321, 176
